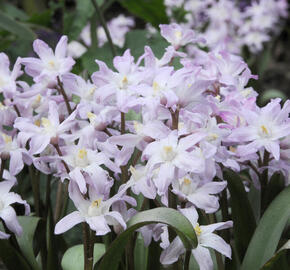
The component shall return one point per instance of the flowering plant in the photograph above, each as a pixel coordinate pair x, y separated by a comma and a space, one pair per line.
161, 163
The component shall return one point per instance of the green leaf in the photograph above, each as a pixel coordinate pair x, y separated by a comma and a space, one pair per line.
133, 116
267, 235
25, 241
267, 95
140, 254
14, 12
242, 213
11, 258
158, 45
76, 99
270, 263
75, 21
73, 259
168, 216
7, 23
135, 41
274, 187
152, 11
103, 54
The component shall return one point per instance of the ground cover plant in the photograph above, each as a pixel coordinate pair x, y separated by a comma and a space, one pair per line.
144, 140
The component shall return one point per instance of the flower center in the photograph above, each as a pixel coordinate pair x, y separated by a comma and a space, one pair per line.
197, 230
178, 35
264, 131
138, 127
156, 88
212, 137
91, 117
48, 127
95, 208
7, 139
168, 153
81, 159
124, 82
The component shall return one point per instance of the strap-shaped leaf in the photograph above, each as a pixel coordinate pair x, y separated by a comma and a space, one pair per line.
270, 264
242, 213
179, 223
12, 26
73, 259
25, 241
152, 11
267, 235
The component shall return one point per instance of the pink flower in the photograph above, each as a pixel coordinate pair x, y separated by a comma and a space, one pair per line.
45, 130
8, 78
95, 211
7, 213
49, 64
178, 36
263, 129
206, 239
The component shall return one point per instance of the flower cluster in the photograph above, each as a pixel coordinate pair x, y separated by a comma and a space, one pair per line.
118, 27
144, 127
231, 24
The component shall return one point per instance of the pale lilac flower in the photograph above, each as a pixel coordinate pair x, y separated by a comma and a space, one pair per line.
50, 64
170, 154
84, 160
44, 131
95, 211
264, 127
7, 213
191, 188
11, 148
206, 239
8, 78
178, 36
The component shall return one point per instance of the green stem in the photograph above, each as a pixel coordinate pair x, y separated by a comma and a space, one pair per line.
225, 214
93, 30
86, 239
123, 123
60, 197
47, 195
264, 181
187, 259
103, 23
106, 5
35, 189
91, 250
63, 93
2, 169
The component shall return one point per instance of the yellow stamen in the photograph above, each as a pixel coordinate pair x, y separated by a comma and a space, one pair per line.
37, 123
38, 98
92, 90
212, 136
82, 153
167, 149
197, 230
125, 81
265, 130
96, 203
45, 122
233, 149
137, 126
186, 181
7, 138
91, 116
51, 63
2, 107
178, 34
